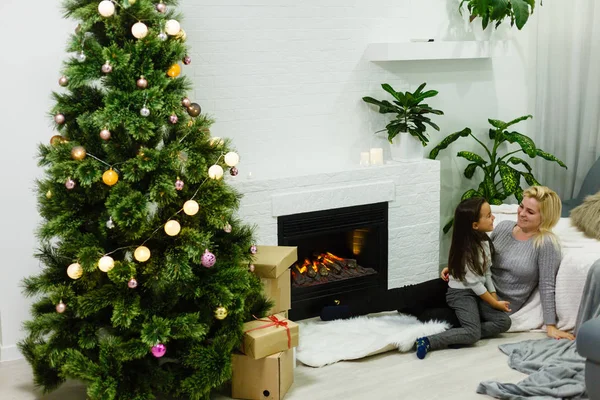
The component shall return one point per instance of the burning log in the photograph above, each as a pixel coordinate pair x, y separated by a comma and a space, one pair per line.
298, 276
322, 269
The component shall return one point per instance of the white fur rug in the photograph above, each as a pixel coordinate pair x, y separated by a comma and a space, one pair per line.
323, 343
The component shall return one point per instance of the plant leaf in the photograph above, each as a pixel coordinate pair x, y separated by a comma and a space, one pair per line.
549, 157
525, 142
469, 194
521, 12
448, 225
496, 123
517, 120
472, 157
530, 179
397, 95
447, 141
470, 170
519, 194
492, 134
510, 177
517, 160
500, 9
385, 106
495, 202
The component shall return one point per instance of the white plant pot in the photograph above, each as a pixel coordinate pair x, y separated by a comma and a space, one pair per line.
405, 147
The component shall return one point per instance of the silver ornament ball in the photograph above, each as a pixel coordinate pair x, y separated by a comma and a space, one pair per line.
144, 112
110, 224
59, 119
163, 36
81, 57
186, 102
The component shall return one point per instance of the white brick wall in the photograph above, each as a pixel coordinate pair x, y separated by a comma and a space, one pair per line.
412, 190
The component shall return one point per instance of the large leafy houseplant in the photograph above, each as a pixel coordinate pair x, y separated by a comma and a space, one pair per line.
411, 112
502, 170
496, 11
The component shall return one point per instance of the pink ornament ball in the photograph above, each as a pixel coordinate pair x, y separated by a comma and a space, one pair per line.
70, 184
159, 350
208, 259
253, 249
61, 307
173, 119
251, 267
187, 60
132, 284
234, 171
179, 184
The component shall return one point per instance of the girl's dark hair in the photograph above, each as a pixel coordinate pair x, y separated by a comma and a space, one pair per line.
467, 243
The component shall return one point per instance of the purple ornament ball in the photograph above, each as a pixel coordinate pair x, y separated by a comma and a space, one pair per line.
159, 350
208, 259
187, 60
234, 171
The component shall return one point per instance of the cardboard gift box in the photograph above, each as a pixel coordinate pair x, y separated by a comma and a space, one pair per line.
279, 290
267, 378
272, 261
269, 335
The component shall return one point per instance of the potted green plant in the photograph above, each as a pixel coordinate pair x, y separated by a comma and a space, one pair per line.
410, 122
501, 177
496, 11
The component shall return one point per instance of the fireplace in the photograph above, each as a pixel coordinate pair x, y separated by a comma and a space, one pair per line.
342, 256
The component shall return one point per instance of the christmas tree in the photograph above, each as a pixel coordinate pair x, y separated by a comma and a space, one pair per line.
145, 282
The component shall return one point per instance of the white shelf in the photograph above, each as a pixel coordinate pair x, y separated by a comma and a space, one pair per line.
437, 50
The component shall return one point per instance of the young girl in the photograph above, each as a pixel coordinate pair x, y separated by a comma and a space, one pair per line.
471, 292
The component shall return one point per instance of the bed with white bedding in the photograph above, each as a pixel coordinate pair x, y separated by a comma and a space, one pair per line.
578, 254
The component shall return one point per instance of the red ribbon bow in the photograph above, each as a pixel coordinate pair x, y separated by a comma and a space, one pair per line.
274, 321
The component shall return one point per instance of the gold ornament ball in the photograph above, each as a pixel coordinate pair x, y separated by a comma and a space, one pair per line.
57, 139
110, 177
221, 313
215, 172
78, 153
49, 194
172, 228
142, 254
75, 271
174, 71
106, 263
181, 36
191, 207
194, 110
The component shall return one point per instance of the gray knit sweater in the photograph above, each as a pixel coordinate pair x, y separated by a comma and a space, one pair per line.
519, 267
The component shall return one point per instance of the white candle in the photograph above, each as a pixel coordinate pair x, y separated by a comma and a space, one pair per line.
376, 156
364, 158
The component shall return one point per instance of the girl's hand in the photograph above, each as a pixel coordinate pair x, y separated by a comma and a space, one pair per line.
445, 275
502, 306
553, 332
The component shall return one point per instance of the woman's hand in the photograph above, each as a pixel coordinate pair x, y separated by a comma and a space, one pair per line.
553, 332
445, 275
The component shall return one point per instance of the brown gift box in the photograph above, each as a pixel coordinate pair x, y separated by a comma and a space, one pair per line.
272, 261
267, 378
266, 336
280, 291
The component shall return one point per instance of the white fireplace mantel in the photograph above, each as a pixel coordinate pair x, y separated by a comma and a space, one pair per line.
412, 190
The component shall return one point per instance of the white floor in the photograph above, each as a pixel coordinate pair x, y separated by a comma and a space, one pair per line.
446, 374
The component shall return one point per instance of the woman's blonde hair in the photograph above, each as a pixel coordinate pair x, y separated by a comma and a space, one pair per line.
550, 210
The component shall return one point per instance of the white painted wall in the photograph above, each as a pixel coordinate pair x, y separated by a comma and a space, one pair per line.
283, 78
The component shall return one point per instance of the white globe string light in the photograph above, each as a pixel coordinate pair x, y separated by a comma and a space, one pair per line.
106, 8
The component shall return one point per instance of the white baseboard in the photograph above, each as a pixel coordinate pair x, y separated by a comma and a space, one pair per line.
10, 353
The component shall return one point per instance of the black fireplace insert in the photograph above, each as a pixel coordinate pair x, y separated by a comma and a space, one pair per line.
342, 256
